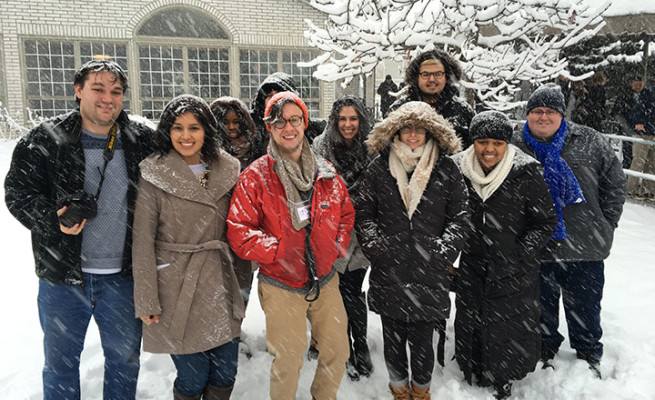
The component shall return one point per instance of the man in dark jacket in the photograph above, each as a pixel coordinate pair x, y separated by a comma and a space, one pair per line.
587, 184
386, 99
622, 114
273, 84
433, 77
643, 157
60, 172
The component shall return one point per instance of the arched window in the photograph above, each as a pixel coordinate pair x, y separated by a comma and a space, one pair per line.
181, 50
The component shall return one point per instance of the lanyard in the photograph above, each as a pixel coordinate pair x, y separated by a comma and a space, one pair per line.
108, 155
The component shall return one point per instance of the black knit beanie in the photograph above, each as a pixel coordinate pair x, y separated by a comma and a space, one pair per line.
491, 125
549, 95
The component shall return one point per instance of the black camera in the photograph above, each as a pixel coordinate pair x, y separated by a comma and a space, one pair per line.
81, 205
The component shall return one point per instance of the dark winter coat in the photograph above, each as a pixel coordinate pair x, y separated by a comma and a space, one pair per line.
590, 225
409, 278
450, 106
644, 111
280, 82
350, 163
386, 99
182, 224
497, 323
47, 165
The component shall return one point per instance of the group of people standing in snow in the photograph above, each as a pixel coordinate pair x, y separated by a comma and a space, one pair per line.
158, 234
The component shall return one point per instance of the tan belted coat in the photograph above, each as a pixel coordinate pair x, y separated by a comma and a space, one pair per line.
182, 264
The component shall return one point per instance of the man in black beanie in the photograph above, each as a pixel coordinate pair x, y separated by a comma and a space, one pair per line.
588, 188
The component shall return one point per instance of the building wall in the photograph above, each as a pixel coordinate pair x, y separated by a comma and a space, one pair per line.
250, 25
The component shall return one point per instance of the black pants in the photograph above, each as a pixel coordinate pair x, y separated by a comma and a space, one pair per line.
354, 300
397, 334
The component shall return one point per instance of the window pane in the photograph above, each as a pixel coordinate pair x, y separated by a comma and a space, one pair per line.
307, 84
182, 22
162, 77
254, 67
206, 77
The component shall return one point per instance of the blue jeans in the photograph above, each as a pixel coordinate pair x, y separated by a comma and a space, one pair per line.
581, 286
216, 367
65, 312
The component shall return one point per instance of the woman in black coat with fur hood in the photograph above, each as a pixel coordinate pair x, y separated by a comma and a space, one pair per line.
412, 217
497, 337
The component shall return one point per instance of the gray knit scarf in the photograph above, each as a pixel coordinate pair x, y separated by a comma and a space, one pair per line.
295, 177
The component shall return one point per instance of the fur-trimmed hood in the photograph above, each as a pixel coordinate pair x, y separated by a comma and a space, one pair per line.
420, 115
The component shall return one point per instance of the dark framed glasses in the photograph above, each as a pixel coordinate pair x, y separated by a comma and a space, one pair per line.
280, 123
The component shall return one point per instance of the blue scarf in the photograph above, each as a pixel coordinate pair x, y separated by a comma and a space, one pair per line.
562, 184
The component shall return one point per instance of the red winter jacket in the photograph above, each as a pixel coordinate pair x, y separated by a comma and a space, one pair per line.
260, 229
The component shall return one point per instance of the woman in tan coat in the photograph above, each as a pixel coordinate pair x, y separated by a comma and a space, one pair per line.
185, 287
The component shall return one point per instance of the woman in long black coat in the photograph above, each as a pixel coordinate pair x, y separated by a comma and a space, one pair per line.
412, 217
497, 336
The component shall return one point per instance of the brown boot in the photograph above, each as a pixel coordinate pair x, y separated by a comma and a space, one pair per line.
401, 392
178, 396
217, 393
420, 393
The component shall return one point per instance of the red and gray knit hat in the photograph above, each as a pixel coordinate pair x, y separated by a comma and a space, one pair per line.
273, 109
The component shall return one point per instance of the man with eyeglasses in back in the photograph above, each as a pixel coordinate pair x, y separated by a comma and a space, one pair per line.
292, 214
433, 77
588, 187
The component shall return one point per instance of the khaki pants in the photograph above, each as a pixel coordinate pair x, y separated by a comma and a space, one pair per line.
286, 339
643, 160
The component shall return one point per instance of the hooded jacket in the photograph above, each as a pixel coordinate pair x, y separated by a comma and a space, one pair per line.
498, 275
183, 269
409, 277
280, 82
350, 163
449, 105
48, 165
590, 225
260, 227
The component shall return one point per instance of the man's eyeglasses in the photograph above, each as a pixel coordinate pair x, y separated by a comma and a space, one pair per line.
280, 123
427, 75
539, 113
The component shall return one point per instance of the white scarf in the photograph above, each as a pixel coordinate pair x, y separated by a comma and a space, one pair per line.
402, 160
486, 185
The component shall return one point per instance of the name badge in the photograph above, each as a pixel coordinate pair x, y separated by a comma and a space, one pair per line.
303, 210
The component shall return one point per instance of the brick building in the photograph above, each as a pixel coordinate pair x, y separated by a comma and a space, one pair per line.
209, 48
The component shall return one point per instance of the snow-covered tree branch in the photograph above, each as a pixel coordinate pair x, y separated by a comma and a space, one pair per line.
498, 42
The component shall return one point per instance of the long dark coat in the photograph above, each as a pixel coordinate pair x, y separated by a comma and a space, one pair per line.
497, 324
409, 277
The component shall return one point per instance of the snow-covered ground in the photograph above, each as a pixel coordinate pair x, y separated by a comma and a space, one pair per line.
628, 366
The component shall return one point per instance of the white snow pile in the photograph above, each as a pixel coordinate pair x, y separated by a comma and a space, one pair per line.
628, 366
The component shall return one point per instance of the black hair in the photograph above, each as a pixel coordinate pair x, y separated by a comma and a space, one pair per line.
95, 66
221, 106
161, 141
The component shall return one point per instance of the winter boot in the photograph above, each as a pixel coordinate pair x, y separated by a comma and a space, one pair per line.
178, 396
420, 393
547, 355
217, 393
401, 392
351, 370
594, 363
363, 361
312, 353
503, 391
